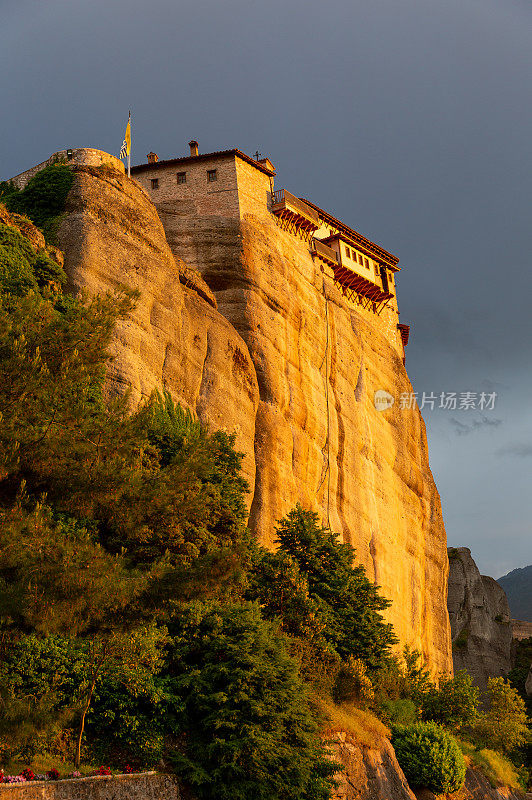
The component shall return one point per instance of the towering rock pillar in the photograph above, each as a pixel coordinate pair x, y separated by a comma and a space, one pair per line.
480, 620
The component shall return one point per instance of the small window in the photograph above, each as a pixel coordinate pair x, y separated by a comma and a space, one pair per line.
155, 183
348, 252
360, 260
212, 175
366, 263
181, 177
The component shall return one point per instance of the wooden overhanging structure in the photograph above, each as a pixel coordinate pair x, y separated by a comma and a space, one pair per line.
294, 214
404, 330
353, 284
355, 239
325, 253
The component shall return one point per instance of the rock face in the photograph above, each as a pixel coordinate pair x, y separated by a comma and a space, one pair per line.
370, 773
175, 339
476, 787
528, 684
286, 363
480, 620
319, 439
375, 774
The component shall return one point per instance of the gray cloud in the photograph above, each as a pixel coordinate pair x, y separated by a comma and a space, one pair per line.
519, 450
463, 429
381, 112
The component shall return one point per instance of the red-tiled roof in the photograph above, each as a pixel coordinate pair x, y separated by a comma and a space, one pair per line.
204, 157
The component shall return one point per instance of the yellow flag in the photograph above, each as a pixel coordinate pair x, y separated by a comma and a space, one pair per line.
128, 136
125, 150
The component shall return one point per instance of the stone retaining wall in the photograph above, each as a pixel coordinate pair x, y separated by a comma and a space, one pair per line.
145, 786
81, 156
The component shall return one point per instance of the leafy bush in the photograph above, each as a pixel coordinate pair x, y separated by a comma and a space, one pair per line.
429, 757
402, 711
23, 269
454, 703
43, 198
352, 684
242, 710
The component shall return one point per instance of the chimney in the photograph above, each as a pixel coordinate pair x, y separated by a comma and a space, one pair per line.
153, 158
193, 147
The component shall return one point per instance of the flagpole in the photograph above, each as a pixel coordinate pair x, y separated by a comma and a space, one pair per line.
128, 165
129, 152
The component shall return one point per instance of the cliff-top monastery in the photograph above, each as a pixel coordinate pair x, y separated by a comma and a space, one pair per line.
230, 184
275, 321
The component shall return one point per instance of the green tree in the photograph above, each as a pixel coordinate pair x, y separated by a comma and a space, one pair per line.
504, 727
454, 703
243, 713
129, 656
337, 595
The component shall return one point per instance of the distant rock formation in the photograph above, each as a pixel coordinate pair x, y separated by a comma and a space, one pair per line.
480, 620
521, 629
528, 684
518, 587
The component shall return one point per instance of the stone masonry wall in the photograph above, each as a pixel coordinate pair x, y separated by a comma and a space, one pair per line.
198, 195
86, 156
147, 786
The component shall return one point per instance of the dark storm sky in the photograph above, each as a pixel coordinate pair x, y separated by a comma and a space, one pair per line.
411, 120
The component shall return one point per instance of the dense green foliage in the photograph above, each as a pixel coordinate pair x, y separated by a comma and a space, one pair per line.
42, 199
22, 268
139, 621
247, 723
312, 585
504, 726
454, 703
429, 757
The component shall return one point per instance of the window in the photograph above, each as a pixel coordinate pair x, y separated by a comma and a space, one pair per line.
155, 183
212, 175
366, 263
360, 260
181, 177
348, 252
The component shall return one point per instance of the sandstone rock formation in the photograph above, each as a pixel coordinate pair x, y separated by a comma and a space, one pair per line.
175, 339
476, 787
284, 362
370, 773
480, 620
319, 438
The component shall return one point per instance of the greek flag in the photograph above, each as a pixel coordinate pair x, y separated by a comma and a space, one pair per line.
125, 150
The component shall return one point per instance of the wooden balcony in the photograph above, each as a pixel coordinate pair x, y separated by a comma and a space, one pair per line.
295, 215
353, 284
324, 252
